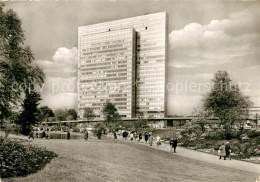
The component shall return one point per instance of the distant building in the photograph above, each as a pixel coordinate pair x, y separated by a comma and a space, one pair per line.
124, 62
254, 112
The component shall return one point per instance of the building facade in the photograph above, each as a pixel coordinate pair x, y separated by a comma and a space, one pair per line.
124, 62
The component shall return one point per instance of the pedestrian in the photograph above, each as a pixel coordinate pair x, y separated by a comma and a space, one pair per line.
68, 135
146, 137
158, 140
115, 136
48, 134
37, 132
175, 143
86, 135
171, 143
150, 139
132, 137
31, 135
135, 135
222, 150
43, 134
140, 137
228, 151
124, 135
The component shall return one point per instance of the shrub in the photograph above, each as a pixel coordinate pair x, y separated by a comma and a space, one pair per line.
74, 129
17, 159
253, 134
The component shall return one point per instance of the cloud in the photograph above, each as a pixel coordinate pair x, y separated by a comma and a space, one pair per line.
61, 79
183, 104
60, 101
198, 51
219, 41
64, 54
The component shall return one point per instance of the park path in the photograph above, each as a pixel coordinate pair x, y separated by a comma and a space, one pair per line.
201, 156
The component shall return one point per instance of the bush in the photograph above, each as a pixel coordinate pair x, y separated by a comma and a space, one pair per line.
74, 129
17, 159
253, 134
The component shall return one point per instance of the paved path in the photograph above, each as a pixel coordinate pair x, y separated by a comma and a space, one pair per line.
201, 156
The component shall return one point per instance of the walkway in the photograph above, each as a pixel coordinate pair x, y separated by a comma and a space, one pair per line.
201, 156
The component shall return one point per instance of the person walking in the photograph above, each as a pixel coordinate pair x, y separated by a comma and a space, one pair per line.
140, 137
86, 135
228, 151
222, 150
150, 139
158, 140
132, 137
135, 135
146, 137
175, 143
171, 143
43, 134
37, 132
48, 134
68, 135
123, 134
115, 136
31, 135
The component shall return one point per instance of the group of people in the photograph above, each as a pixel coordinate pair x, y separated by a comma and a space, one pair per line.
224, 151
45, 134
148, 138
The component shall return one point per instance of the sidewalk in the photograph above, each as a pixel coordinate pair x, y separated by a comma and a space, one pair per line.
204, 157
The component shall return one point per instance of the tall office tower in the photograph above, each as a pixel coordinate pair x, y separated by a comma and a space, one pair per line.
124, 62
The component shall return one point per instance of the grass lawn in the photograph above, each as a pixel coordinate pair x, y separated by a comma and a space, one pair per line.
108, 160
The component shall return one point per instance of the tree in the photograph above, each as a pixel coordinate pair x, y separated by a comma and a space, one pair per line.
18, 73
73, 113
226, 102
45, 113
110, 113
29, 115
99, 130
60, 114
200, 117
69, 118
141, 119
89, 114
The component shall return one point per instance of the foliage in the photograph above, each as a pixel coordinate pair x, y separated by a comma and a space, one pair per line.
63, 115
18, 73
110, 113
75, 129
69, 118
60, 114
45, 113
29, 115
73, 113
89, 114
17, 159
226, 102
142, 122
10, 128
200, 117
99, 130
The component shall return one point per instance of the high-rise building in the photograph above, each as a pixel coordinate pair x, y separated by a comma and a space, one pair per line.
124, 62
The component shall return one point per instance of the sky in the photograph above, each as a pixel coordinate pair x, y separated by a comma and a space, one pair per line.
204, 36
